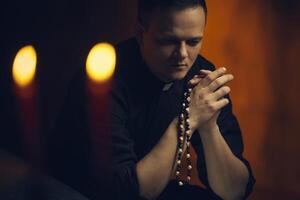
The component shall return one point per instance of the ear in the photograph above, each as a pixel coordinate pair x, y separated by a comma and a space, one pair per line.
139, 32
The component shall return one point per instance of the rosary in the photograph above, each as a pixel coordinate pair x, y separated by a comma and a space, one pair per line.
184, 133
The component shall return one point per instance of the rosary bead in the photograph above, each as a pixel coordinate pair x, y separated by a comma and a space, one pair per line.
182, 116
188, 132
180, 183
184, 129
188, 99
181, 127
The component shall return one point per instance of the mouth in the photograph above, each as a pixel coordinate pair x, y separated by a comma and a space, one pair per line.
179, 66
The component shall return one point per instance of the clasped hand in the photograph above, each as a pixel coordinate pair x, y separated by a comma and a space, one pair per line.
208, 97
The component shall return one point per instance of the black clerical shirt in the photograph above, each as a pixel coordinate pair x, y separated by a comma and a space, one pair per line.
142, 107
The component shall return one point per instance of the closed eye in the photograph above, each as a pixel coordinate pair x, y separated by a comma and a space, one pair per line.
193, 42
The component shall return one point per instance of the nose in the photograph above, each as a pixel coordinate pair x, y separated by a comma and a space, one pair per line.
182, 51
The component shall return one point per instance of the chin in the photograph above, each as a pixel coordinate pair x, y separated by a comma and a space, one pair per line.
177, 76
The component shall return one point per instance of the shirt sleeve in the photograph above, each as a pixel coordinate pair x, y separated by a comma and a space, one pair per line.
125, 182
231, 132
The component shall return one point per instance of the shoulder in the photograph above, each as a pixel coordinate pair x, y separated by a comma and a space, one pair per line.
200, 63
203, 63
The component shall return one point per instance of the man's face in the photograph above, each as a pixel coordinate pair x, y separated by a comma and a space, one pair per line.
172, 40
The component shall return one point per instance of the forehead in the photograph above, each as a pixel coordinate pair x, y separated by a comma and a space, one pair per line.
189, 22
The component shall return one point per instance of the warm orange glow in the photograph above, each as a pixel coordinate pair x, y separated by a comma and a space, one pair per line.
101, 61
24, 66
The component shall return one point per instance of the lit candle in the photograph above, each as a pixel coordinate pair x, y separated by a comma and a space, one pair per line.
23, 73
100, 66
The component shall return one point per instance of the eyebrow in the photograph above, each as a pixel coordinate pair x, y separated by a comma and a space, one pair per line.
170, 37
196, 38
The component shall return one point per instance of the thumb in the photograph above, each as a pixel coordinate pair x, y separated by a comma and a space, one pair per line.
197, 78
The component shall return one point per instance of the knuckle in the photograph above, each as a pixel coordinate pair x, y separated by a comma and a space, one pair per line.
200, 94
209, 78
206, 101
222, 92
211, 107
218, 82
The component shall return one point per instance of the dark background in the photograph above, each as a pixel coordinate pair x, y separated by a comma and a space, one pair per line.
258, 41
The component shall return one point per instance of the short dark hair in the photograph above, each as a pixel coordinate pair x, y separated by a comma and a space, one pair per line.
146, 7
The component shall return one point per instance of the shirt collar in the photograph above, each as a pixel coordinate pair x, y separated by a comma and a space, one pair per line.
150, 79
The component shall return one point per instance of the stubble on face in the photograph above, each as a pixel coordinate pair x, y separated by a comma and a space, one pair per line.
172, 41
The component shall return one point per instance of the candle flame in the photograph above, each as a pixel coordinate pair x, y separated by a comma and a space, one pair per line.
101, 61
24, 66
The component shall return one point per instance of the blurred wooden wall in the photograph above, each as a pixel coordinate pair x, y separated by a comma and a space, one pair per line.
258, 41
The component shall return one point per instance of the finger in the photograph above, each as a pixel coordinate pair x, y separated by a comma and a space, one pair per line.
202, 74
217, 83
194, 81
221, 103
220, 93
214, 75
205, 71
197, 77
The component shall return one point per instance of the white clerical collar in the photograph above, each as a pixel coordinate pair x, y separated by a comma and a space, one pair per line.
167, 86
